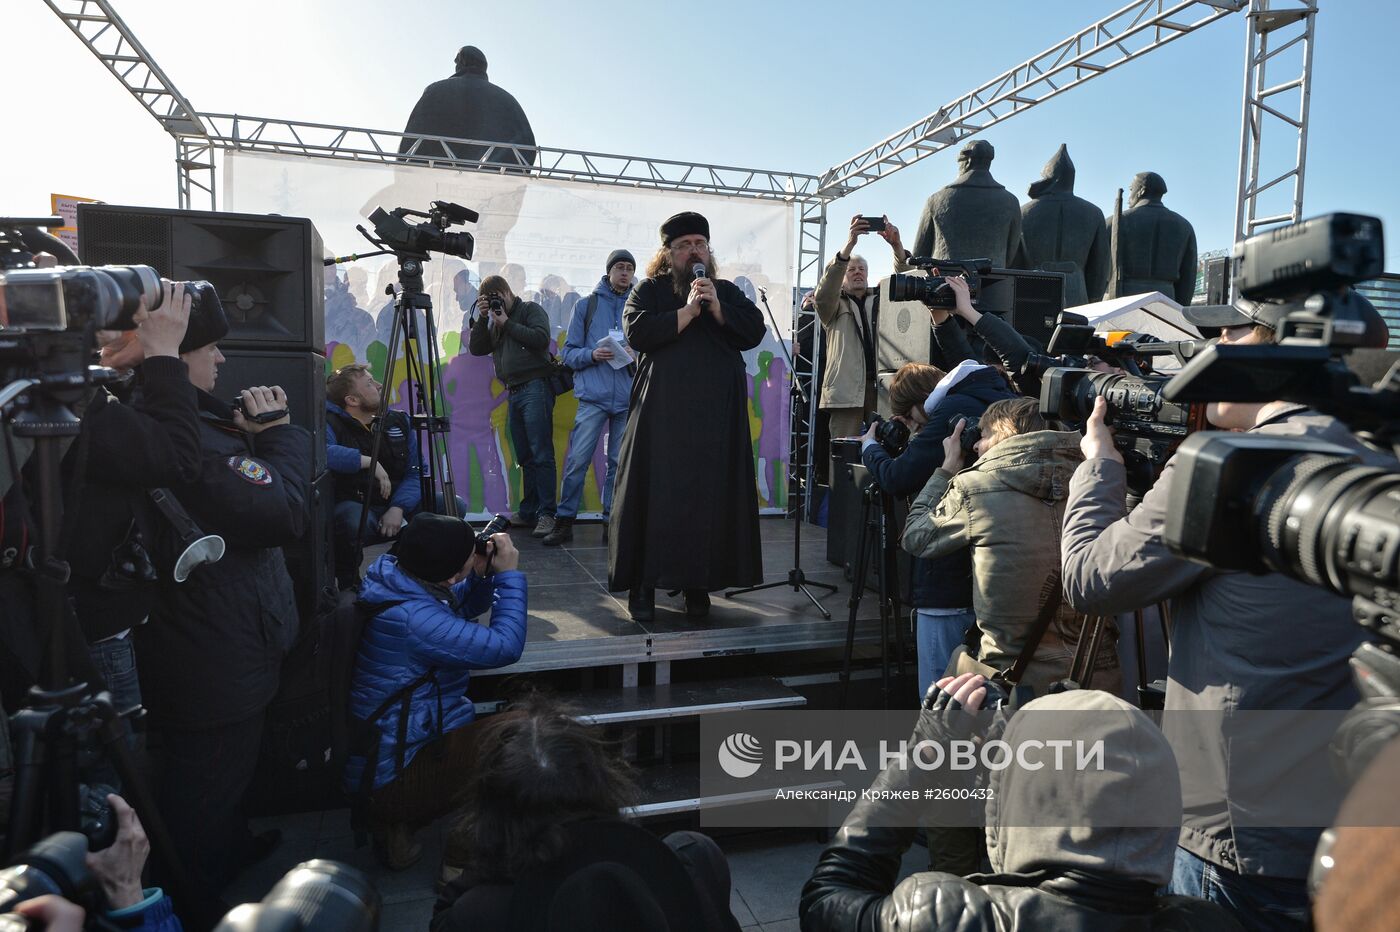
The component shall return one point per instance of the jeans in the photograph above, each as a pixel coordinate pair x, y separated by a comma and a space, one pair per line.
583, 440
115, 660
1258, 902
531, 407
937, 636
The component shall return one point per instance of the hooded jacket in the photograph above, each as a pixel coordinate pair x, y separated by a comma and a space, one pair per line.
1008, 508
597, 383
421, 633
945, 582
1082, 874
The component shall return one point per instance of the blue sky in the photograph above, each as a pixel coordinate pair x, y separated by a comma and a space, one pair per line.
795, 86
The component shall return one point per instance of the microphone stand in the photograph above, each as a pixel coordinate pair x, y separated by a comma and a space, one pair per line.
797, 484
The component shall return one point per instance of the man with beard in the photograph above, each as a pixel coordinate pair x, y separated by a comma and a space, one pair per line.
686, 509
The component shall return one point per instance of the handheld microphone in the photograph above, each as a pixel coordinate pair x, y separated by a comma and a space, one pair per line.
698, 270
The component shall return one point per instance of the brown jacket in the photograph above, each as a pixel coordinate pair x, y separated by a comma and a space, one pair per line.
845, 379
1008, 508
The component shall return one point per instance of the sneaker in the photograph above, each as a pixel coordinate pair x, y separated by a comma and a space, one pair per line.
697, 603
641, 604
561, 533
543, 526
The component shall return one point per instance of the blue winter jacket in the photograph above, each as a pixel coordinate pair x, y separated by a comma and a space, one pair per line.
407, 495
404, 641
597, 382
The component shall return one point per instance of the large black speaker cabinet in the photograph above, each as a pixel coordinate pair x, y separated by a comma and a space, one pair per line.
302, 376
1029, 301
267, 270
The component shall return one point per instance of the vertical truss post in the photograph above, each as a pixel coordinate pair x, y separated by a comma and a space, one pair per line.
1274, 27
194, 171
811, 246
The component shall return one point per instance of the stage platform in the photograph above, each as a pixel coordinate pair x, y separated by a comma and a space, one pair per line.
575, 623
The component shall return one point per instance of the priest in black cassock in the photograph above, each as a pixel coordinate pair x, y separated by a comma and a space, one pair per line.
685, 514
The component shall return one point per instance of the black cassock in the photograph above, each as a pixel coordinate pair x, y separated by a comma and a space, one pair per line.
685, 512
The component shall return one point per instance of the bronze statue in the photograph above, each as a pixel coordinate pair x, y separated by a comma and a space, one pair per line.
1064, 233
1156, 247
974, 217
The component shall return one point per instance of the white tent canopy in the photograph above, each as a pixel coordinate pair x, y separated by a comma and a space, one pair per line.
1153, 313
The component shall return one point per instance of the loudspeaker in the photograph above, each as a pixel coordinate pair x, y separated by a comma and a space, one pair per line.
1217, 276
1029, 301
302, 376
267, 270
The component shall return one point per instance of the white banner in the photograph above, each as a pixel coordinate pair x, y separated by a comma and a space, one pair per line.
550, 240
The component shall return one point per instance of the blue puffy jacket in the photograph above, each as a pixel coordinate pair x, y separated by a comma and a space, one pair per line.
405, 641
597, 382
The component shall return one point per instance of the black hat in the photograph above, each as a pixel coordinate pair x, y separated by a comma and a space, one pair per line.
208, 323
434, 547
1242, 313
616, 256
685, 223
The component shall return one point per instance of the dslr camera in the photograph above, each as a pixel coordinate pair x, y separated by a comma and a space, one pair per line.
933, 289
892, 435
496, 525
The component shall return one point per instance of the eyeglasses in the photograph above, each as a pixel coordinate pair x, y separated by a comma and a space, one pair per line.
680, 245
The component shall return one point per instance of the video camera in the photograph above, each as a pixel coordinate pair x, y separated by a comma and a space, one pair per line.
1309, 510
933, 289
398, 235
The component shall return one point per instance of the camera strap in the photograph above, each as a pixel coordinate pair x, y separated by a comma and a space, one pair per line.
1048, 611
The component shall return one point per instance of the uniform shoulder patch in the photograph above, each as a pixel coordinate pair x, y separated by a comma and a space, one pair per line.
250, 470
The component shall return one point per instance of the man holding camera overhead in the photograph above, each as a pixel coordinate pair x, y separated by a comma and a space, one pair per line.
515, 334
211, 656
847, 307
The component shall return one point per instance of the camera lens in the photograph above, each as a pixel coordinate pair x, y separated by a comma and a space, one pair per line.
317, 895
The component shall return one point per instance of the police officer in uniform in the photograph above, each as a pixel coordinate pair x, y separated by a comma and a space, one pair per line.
211, 656
352, 401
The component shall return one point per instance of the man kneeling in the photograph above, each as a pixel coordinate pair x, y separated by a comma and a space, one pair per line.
410, 681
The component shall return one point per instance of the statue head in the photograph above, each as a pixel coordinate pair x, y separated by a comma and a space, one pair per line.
976, 154
1057, 177
470, 60
1146, 186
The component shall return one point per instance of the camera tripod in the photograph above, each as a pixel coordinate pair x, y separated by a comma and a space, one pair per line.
1151, 696
876, 507
64, 714
797, 486
415, 333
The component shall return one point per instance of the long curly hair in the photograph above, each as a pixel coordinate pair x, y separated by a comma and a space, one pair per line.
539, 771
659, 267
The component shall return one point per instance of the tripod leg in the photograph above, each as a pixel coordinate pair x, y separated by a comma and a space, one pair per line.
857, 590
23, 828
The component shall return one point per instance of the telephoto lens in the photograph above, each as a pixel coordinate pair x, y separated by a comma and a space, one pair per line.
315, 896
58, 866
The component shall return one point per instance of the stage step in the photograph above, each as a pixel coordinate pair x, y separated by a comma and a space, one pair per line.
684, 700
675, 790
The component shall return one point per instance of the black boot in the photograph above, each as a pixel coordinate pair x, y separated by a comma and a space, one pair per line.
641, 604
562, 533
697, 603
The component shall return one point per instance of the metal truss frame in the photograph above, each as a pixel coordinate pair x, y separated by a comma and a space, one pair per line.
1275, 27
1120, 37
1124, 35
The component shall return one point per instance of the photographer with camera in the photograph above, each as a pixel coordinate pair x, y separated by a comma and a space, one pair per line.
1239, 642
1007, 509
515, 334
141, 435
930, 402
847, 307
211, 656
1069, 849
408, 696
